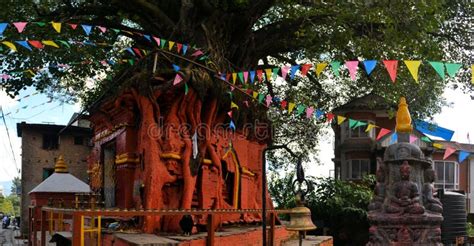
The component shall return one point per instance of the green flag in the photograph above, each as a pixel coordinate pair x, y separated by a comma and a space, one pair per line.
335, 67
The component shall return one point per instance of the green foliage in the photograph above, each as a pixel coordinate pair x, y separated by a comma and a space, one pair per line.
470, 229
10, 205
342, 206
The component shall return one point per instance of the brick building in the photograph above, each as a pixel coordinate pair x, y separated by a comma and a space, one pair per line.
356, 150
41, 145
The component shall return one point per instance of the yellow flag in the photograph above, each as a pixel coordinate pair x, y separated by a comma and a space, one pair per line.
56, 26
255, 94
340, 119
50, 43
291, 106
438, 145
233, 105
234, 77
10, 45
30, 72
320, 67
413, 68
170, 44
268, 73
369, 127
472, 74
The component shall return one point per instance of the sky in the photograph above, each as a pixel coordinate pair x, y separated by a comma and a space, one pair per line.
458, 117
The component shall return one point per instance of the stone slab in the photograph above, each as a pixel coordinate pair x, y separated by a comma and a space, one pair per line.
143, 239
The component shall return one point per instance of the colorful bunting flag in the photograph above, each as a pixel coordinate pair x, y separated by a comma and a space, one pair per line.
24, 44
87, 29
157, 40
56, 26
10, 45
241, 77
255, 94
462, 155
260, 75
309, 112
293, 71
176, 68
268, 74
413, 68
452, 68
233, 105
330, 117
268, 100
391, 66
232, 125
179, 47
382, 133
369, 127
37, 44
320, 67
340, 119
197, 53
438, 67
305, 68
369, 66
20, 26
104, 29
3, 26
177, 79
246, 76
170, 45
449, 151
284, 71
300, 109
283, 104
260, 98
438, 145
291, 106
335, 67
425, 139
74, 26
393, 138
352, 66
413, 138
234, 77
185, 48
252, 76
275, 72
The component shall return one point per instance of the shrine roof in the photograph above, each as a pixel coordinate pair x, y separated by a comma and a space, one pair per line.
62, 183
370, 102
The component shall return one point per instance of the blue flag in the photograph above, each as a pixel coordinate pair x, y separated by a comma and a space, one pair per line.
252, 76
185, 48
294, 69
393, 138
87, 29
433, 130
369, 65
462, 155
147, 37
3, 26
231, 125
24, 44
176, 68
319, 113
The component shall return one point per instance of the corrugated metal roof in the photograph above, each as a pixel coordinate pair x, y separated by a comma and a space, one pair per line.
62, 182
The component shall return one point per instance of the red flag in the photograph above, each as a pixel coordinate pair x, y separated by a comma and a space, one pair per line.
449, 151
382, 133
179, 46
330, 117
391, 66
73, 26
305, 68
35, 43
137, 51
283, 104
260, 75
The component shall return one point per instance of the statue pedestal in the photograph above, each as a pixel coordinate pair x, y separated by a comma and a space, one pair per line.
405, 229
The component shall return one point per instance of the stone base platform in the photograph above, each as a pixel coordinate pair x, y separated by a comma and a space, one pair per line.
405, 229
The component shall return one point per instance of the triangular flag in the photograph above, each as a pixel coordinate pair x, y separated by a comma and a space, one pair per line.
340, 119
284, 71
260, 75
293, 71
20, 26
462, 155
382, 133
3, 26
393, 138
413, 138
438, 145
185, 48
177, 79
10, 45
283, 104
360, 123
260, 98
335, 67
309, 112
186, 88
179, 46
305, 68
40, 23
391, 66
268, 74
438, 67
449, 151
252, 76
320, 67
170, 45
87, 29
352, 123
452, 68
24, 44
56, 26
268, 100
176, 68
275, 72
232, 125
246, 76
319, 114
65, 43
369, 66
163, 43
291, 106
369, 127
413, 68
73, 26
234, 77
230, 114
330, 117
425, 139
37, 44
255, 94
241, 77
104, 29
352, 66
300, 109
157, 40
233, 105
197, 53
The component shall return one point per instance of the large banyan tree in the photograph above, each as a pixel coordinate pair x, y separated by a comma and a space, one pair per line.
235, 35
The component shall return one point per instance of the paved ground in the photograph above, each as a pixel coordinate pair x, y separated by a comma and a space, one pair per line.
7, 237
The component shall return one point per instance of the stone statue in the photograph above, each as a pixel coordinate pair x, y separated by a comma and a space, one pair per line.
379, 193
429, 201
406, 197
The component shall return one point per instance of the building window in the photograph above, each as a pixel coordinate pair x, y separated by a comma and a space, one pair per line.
358, 132
47, 172
78, 140
447, 175
50, 141
356, 169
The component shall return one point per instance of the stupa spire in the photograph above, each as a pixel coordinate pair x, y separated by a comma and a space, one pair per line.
60, 166
403, 117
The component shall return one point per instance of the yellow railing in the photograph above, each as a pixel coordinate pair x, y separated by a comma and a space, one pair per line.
92, 228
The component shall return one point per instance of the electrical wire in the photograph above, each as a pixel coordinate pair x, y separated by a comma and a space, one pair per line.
9, 140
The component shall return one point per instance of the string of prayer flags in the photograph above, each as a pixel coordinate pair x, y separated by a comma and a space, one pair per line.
352, 66
391, 66
284, 71
382, 133
268, 100
413, 68
449, 151
434, 130
369, 66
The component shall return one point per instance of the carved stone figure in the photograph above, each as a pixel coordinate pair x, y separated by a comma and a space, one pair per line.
429, 201
406, 197
379, 192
